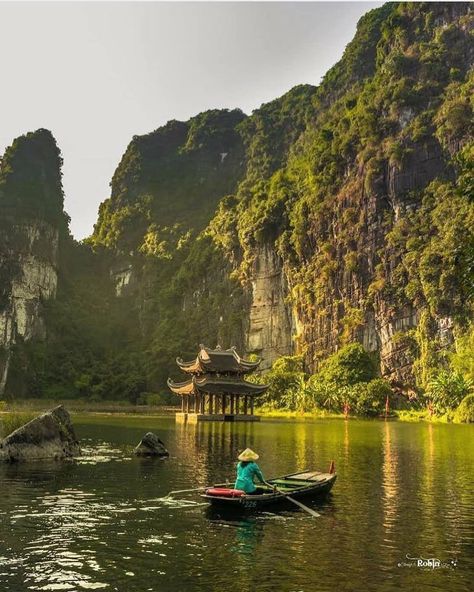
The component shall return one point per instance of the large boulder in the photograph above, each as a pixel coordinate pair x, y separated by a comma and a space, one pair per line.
151, 445
48, 436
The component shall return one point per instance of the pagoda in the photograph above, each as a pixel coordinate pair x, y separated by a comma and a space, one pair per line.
216, 389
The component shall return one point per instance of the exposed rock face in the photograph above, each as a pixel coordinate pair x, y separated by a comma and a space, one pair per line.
49, 436
31, 214
29, 267
316, 221
122, 279
271, 319
151, 445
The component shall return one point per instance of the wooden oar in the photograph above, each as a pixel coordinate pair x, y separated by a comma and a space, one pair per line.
186, 490
291, 499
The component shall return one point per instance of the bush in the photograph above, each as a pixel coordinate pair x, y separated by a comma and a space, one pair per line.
462, 361
362, 398
326, 394
346, 381
350, 365
369, 398
447, 389
285, 378
299, 396
465, 411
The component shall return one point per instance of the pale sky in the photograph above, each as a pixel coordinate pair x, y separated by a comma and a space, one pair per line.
96, 74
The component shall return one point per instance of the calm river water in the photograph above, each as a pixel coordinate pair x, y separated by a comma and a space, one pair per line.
404, 491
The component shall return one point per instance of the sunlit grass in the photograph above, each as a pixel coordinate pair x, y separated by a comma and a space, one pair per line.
9, 422
266, 411
84, 406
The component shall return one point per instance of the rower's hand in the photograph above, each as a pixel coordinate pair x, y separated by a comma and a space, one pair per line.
273, 487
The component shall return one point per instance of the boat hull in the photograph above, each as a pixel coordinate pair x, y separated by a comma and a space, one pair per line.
316, 485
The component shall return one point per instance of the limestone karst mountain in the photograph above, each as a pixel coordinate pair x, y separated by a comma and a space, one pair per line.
333, 214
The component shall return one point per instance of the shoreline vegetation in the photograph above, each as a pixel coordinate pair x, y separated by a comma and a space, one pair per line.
406, 415
17, 413
348, 385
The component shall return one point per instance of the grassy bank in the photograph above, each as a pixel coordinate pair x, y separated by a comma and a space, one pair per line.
10, 421
83, 406
287, 414
410, 415
15, 414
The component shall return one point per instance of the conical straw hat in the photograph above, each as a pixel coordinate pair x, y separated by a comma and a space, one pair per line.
247, 455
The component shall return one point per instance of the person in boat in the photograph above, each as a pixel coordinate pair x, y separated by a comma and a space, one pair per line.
247, 471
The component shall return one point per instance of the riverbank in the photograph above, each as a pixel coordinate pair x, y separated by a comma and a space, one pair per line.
410, 415
84, 406
33, 407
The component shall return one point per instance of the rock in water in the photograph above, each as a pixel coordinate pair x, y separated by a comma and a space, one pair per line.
49, 436
151, 445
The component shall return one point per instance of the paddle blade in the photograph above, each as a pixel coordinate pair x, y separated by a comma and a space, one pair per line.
303, 507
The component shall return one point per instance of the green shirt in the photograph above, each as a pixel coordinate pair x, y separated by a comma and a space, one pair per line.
245, 476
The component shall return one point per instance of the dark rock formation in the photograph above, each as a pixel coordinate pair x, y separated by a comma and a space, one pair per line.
49, 436
31, 215
151, 445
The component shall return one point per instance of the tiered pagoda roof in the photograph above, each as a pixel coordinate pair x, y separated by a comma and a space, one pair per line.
219, 372
217, 361
213, 385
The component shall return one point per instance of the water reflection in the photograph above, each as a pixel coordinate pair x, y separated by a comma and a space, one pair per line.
104, 522
248, 530
390, 483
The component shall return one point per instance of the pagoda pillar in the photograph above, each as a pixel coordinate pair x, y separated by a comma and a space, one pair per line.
232, 401
223, 404
245, 404
251, 405
237, 404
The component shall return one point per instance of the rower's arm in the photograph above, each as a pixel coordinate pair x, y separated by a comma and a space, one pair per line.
259, 474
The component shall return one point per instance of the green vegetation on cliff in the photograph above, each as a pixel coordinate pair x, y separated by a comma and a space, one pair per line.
362, 187
372, 213
30, 178
170, 181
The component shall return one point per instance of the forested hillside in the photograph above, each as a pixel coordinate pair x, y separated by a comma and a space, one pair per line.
334, 215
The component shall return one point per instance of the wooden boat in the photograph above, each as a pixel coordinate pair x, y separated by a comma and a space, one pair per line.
297, 485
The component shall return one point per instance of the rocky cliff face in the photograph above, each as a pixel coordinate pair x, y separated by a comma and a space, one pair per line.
30, 217
348, 229
272, 325
333, 214
32, 279
332, 224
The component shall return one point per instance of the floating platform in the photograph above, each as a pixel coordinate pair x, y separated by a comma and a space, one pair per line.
183, 417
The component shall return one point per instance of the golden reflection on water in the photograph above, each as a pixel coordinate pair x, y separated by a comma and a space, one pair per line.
427, 483
105, 523
346, 440
390, 481
207, 445
300, 443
